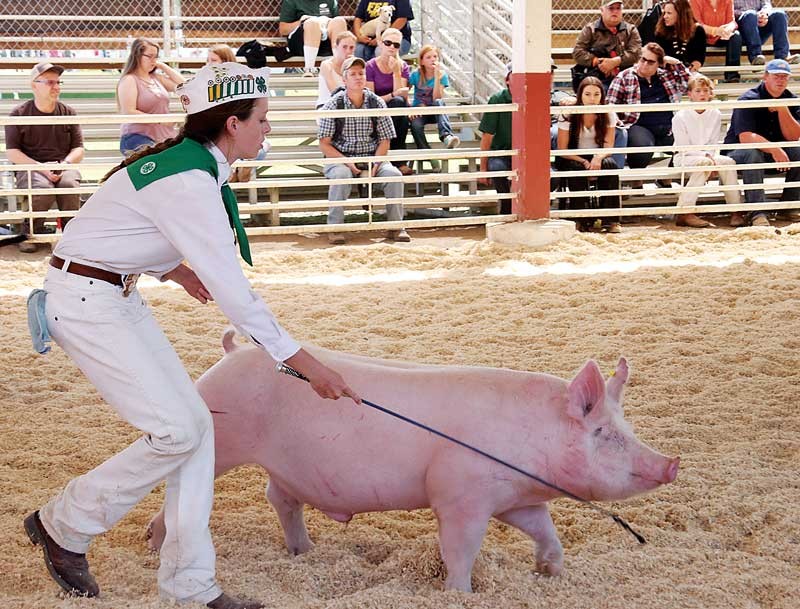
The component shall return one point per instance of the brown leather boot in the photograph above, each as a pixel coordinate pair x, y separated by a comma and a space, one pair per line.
223, 601
68, 569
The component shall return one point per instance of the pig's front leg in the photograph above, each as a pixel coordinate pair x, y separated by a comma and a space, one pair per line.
535, 521
290, 513
461, 532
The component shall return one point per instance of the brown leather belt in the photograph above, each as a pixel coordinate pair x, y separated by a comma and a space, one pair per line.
88, 271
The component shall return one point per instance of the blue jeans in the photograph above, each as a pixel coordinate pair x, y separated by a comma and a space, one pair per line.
643, 136
367, 52
755, 36
501, 185
442, 123
340, 192
129, 142
733, 53
756, 176
620, 141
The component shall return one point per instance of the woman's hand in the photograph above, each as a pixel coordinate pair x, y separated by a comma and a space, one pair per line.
595, 164
326, 382
186, 277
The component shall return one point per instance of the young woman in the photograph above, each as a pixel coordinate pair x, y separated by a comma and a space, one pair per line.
220, 53
387, 75
429, 82
144, 89
162, 206
330, 70
679, 35
702, 127
583, 131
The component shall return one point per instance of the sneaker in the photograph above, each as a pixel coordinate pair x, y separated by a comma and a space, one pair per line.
758, 60
452, 141
310, 72
27, 247
614, 227
793, 58
399, 235
336, 239
223, 601
759, 220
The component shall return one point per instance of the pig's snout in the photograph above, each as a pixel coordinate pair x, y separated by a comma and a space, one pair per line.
671, 471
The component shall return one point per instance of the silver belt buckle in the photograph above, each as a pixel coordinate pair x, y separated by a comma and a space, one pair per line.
129, 283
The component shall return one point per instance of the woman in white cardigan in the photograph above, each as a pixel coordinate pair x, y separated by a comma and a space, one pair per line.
702, 127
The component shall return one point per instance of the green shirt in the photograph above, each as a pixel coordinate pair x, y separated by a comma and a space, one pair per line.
292, 10
498, 123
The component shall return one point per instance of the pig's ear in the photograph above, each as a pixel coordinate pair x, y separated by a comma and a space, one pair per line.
617, 382
587, 391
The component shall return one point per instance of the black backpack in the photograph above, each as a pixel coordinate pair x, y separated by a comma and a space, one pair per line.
370, 101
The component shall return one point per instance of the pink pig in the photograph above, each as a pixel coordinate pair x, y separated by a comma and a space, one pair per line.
345, 459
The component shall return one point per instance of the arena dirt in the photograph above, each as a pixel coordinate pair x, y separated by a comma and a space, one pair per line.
710, 322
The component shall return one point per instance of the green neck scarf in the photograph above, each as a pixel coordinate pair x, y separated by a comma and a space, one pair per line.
185, 156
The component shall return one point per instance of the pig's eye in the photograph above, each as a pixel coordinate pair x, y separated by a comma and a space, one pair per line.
598, 431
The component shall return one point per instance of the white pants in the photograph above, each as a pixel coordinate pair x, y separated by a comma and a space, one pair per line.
118, 345
727, 177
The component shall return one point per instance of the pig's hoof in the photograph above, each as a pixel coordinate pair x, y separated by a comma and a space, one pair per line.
549, 568
301, 548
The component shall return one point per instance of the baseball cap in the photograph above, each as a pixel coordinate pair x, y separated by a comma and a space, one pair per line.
45, 66
351, 61
610, 3
508, 70
778, 66
221, 83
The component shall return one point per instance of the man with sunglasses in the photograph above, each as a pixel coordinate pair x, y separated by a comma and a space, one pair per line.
655, 79
43, 144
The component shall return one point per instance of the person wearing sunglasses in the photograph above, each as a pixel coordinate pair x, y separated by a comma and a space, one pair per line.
31, 144
655, 79
367, 47
387, 76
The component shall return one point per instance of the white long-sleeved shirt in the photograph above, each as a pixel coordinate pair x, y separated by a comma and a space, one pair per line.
179, 217
690, 127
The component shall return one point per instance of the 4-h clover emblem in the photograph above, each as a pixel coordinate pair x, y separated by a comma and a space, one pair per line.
148, 167
261, 84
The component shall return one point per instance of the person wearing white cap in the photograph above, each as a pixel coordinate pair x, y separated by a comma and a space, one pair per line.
764, 126
606, 46
31, 144
167, 212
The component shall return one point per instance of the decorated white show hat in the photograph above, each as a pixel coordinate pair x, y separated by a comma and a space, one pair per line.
217, 84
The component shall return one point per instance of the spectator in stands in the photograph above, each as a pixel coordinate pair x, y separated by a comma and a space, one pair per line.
144, 88
702, 127
763, 126
429, 82
679, 35
606, 46
370, 9
655, 79
387, 76
310, 25
220, 53
757, 21
590, 131
32, 144
330, 70
716, 19
354, 137
495, 128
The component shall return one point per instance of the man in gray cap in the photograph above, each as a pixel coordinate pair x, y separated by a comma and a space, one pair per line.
764, 126
43, 144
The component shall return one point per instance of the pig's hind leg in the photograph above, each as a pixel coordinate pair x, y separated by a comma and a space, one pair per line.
290, 514
535, 521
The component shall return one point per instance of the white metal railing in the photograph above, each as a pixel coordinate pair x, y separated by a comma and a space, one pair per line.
473, 199
661, 172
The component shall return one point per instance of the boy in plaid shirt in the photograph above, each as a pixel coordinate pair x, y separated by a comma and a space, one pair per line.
358, 136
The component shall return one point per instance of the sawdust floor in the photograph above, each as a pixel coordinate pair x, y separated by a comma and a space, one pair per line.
708, 319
